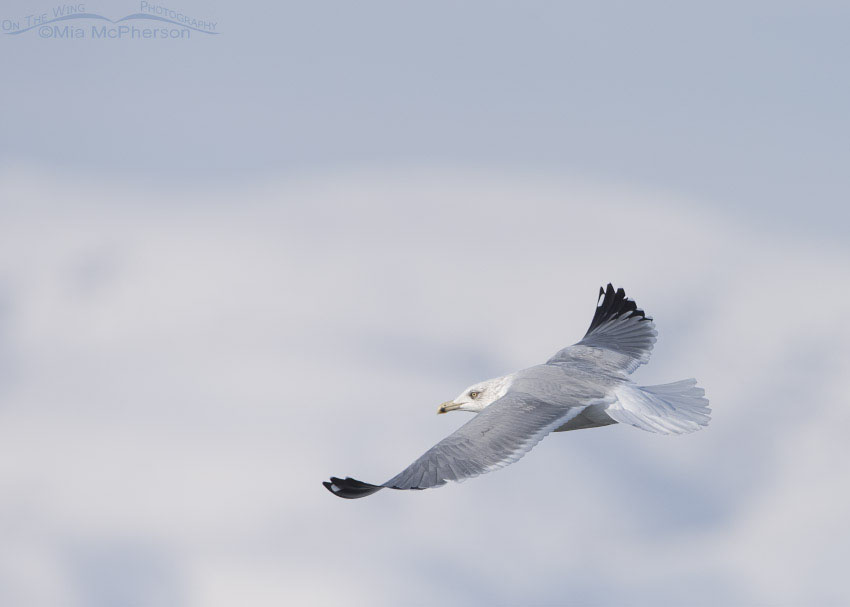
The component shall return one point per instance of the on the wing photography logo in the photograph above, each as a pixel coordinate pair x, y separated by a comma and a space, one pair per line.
152, 21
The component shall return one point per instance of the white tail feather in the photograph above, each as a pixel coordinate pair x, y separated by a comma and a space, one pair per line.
676, 408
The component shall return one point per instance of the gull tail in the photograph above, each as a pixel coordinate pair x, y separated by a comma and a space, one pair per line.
677, 408
350, 488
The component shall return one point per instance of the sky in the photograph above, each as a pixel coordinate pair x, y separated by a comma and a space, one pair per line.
234, 264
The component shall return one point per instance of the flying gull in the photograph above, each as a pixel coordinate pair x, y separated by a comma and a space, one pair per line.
585, 385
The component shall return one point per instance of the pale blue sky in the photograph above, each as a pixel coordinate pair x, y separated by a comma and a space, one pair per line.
741, 105
234, 265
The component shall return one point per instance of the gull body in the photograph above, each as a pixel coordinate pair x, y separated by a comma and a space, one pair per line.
585, 385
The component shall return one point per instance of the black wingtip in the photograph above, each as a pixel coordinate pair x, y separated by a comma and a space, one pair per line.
350, 488
614, 304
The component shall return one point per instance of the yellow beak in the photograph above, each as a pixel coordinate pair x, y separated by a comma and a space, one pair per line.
447, 406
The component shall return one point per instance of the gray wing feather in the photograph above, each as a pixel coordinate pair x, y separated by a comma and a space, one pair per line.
620, 329
499, 435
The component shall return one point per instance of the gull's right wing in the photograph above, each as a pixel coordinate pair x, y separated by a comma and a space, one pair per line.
620, 331
497, 436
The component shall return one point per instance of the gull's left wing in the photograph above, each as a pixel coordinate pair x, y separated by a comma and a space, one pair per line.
497, 436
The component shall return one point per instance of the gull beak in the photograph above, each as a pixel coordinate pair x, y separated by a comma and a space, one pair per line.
447, 406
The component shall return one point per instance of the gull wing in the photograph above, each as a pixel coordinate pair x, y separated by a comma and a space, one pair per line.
621, 333
499, 435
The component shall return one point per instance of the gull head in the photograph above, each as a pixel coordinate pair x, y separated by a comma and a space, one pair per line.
477, 396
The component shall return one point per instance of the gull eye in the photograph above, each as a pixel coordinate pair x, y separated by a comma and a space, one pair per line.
474, 394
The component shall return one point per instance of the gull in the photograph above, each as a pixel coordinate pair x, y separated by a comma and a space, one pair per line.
585, 385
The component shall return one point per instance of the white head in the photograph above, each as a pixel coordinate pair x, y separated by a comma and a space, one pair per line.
477, 396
